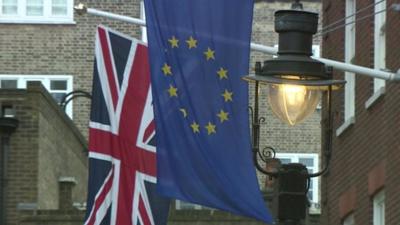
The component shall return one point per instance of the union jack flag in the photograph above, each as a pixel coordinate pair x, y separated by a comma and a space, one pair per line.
122, 153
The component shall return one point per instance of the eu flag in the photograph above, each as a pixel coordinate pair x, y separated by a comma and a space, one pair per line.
199, 50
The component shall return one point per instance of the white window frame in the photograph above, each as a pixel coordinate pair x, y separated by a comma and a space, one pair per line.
45, 79
349, 220
294, 158
350, 50
181, 205
379, 208
316, 51
46, 18
379, 50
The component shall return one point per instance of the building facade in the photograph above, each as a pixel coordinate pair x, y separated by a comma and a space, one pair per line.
43, 152
45, 41
362, 184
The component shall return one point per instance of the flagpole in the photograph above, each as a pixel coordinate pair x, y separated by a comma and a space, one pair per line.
347, 67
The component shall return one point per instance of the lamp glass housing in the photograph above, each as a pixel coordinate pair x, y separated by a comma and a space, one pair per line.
293, 103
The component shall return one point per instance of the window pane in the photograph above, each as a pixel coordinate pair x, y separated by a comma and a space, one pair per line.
34, 11
285, 160
59, 7
8, 84
59, 11
58, 96
34, 7
10, 7
310, 195
9, 10
308, 162
58, 85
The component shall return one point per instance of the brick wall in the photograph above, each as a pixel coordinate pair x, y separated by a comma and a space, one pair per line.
63, 49
372, 142
45, 147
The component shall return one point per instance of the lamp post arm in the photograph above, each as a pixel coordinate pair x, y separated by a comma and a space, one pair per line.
82, 9
374, 73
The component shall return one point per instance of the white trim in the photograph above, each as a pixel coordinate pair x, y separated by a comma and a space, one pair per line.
377, 95
379, 47
347, 123
47, 16
350, 49
379, 208
45, 80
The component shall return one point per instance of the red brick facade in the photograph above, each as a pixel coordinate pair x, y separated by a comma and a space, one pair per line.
366, 156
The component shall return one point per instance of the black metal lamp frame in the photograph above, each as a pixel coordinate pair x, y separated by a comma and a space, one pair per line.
292, 66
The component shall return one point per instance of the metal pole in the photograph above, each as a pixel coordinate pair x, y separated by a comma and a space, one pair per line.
374, 73
4, 148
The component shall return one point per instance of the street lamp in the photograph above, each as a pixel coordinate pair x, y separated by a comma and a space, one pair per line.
295, 82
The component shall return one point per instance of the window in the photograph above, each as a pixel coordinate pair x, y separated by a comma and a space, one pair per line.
379, 208
379, 49
311, 162
181, 205
58, 85
36, 11
349, 89
315, 51
349, 220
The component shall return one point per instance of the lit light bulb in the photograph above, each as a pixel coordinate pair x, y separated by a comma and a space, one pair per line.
293, 95
292, 103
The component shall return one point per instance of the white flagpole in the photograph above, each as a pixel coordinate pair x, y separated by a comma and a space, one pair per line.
81, 9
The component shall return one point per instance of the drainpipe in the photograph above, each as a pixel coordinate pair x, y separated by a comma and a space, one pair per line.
8, 124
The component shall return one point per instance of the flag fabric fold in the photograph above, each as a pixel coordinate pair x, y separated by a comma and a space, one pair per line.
122, 153
199, 50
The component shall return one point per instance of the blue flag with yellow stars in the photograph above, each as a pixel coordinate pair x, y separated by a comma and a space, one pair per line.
199, 50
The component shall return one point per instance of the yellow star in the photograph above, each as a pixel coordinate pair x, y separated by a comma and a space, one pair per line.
174, 42
210, 128
192, 43
172, 91
184, 112
166, 69
223, 116
195, 127
227, 96
222, 73
209, 54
